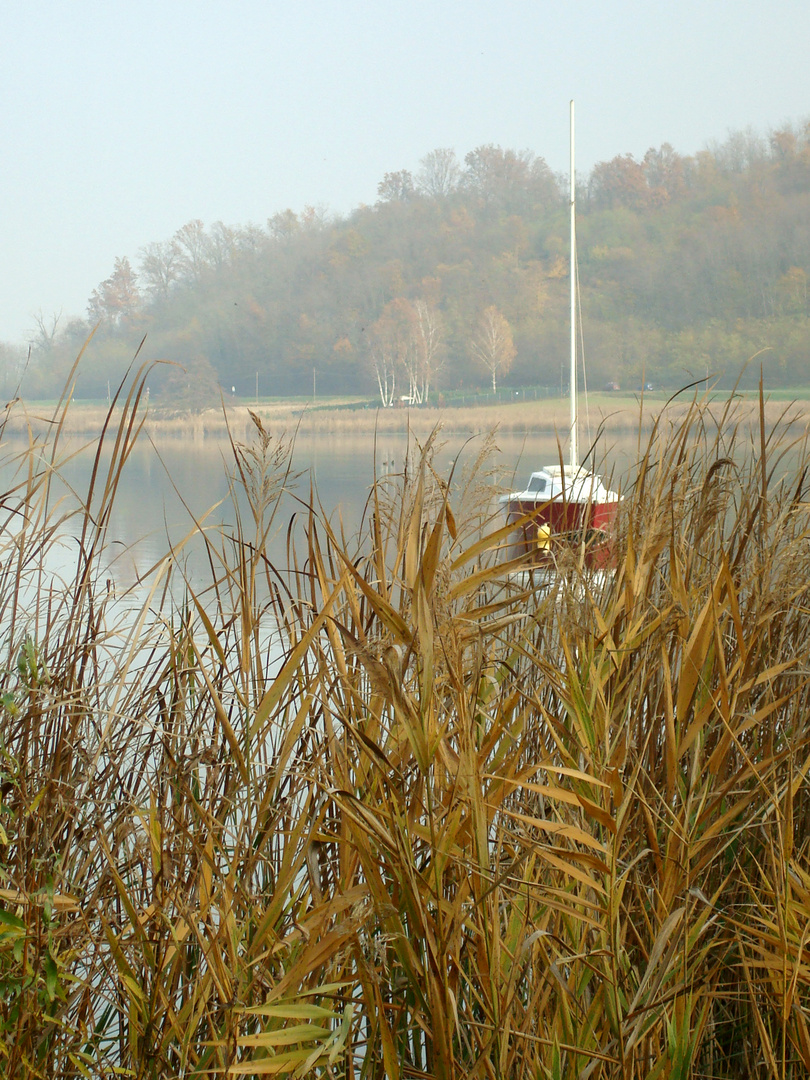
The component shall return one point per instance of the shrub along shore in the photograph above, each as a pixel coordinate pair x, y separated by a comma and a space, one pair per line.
399, 808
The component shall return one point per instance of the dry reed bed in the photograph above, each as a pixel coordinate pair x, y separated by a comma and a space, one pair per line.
612, 414
457, 824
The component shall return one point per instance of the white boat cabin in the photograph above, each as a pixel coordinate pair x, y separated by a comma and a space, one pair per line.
553, 484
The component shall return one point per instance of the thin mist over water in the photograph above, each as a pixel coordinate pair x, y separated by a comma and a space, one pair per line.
169, 486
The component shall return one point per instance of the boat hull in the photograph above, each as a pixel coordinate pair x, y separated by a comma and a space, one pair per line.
545, 531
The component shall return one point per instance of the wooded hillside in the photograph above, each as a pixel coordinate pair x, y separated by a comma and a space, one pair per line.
687, 265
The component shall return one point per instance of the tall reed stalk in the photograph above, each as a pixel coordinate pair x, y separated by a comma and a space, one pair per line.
393, 810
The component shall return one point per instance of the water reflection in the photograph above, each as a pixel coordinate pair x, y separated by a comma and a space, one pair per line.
169, 485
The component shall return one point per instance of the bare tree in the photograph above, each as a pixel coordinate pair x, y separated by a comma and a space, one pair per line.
250, 239
194, 247
439, 173
392, 349
492, 343
509, 179
429, 334
160, 267
43, 334
405, 345
383, 364
221, 244
12, 366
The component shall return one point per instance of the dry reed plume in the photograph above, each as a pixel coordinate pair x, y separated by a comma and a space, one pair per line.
389, 812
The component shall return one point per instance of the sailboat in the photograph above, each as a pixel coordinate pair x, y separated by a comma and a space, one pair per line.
564, 507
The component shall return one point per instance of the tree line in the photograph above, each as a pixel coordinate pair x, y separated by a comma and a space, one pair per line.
458, 276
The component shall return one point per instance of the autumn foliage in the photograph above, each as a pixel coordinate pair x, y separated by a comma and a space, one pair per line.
687, 264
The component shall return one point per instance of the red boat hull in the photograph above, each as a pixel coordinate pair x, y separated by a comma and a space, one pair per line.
544, 531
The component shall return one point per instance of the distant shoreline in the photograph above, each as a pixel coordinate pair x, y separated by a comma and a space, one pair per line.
611, 412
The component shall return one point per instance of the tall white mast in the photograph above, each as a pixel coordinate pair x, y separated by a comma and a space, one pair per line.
573, 256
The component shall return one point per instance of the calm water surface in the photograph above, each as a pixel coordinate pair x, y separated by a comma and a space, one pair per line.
165, 485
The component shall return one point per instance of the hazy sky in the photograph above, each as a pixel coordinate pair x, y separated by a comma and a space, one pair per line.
122, 120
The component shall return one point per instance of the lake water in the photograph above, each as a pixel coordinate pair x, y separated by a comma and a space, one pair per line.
166, 484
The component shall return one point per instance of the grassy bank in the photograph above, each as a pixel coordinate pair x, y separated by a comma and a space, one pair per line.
616, 413
392, 811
